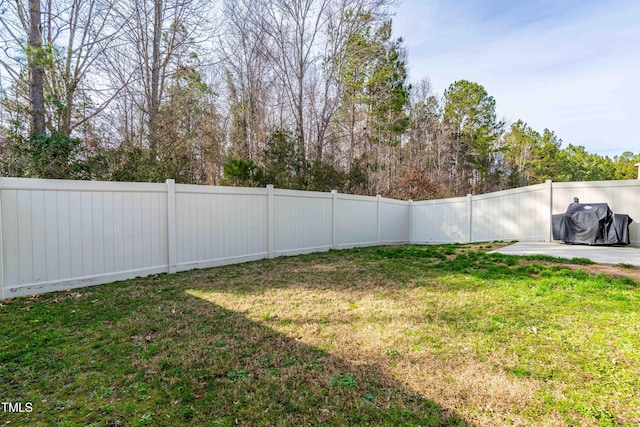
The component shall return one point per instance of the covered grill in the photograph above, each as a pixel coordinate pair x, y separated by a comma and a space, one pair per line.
591, 224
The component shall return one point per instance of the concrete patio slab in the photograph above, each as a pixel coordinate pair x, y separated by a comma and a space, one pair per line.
598, 254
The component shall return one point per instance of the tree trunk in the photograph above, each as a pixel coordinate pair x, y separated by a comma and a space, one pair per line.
300, 109
36, 69
155, 80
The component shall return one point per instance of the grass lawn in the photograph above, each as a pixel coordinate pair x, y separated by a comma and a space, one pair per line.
438, 335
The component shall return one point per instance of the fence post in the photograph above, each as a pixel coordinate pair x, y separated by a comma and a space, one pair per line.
379, 218
549, 227
1, 249
410, 221
270, 221
171, 224
470, 212
334, 219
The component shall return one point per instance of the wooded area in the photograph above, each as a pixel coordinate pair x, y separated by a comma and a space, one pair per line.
301, 94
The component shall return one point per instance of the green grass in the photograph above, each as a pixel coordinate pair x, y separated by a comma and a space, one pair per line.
625, 265
411, 335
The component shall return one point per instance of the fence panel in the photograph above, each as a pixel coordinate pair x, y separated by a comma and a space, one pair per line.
59, 234
441, 221
302, 222
357, 220
219, 225
395, 221
517, 214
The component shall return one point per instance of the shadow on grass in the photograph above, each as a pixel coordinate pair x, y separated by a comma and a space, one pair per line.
530, 324
145, 352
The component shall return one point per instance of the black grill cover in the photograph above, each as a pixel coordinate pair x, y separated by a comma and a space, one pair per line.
591, 224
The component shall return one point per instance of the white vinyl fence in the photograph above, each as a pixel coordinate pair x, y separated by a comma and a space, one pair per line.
518, 214
57, 234
522, 214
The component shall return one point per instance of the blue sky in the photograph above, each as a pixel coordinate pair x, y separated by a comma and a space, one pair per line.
566, 65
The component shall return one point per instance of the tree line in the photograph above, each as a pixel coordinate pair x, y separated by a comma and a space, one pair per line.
302, 94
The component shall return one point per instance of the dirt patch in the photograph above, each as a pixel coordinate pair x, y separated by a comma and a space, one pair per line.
610, 270
475, 247
594, 269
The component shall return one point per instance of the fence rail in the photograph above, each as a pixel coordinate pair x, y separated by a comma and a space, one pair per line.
58, 234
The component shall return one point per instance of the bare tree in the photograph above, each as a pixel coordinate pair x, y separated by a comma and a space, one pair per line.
157, 38
300, 46
249, 79
292, 28
65, 39
21, 21
346, 18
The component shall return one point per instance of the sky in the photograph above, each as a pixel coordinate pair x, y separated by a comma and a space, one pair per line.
572, 66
